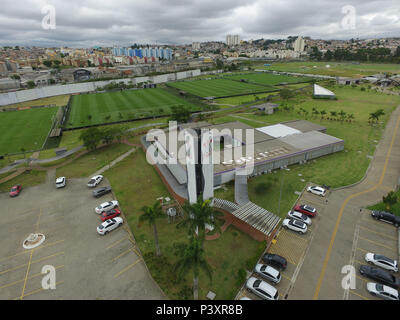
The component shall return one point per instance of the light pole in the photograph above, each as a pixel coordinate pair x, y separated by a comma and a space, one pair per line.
280, 192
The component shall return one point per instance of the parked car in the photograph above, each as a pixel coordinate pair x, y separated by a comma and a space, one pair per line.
109, 214
386, 217
262, 289
109, 225
275, 260
381, 291
105, 206
267, 272
381, 276
16, 190
319, 191
101, 191
382, 261
295, 225
61, 182
306, 209
94, 181
299, 216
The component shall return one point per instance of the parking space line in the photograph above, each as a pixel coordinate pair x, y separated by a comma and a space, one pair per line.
286, 277
31, 277
377, 243
35, 261
116, 242
37, 290
127, 268
122, 254
27, 251
363, 279
359, 262
26, 275
290, 233
358, 248
38, 220
381, 234
353, 292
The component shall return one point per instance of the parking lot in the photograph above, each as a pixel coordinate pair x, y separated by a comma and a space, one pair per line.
371, 236
293, 247
87, 265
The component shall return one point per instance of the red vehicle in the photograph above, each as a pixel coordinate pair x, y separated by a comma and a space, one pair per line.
16, 190
105, 215
306, 209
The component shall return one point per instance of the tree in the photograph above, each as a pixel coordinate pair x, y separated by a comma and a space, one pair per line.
31, 84
192, 258
342, 115
47, 63
315, 112
323, 114
151, 214
199, 214
91, 138
180, 113
333, 114
285, 94
389, 200
315, 54
350, 117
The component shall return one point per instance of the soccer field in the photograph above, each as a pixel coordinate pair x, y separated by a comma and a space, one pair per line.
97, 108
268, 78
26, 129
219, 87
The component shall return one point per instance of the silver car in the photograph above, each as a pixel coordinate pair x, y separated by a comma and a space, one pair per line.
299, 216
295, 225
382, 261
268, 273
381, 291
262, 289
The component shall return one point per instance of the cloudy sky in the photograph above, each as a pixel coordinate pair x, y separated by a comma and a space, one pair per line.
87, 23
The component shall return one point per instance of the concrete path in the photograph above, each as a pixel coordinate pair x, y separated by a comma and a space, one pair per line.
111, 164
320, 275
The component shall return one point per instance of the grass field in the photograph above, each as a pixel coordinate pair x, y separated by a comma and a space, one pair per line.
133, 196
393, 208
218, 87
342, 69
26, 129
27, 179
89, 109
268, 78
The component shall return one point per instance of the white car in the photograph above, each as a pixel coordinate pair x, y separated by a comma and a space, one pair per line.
109, 225
262, 289
317, 190
106, 206
268, 273
94, 181
295, 225
382, 261
299, 216
60, 182
381, 291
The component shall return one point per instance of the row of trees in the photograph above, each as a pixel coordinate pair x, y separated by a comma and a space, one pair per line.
92, 137
368, 54
191, 256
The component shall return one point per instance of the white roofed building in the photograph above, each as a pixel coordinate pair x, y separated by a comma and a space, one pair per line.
322, 93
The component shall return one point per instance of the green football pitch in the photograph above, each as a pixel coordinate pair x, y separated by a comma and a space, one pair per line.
219, 87
26, 129
268, 78
98, 108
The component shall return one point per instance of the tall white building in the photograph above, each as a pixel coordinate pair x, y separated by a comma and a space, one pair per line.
299, 44
196, 45
232, 40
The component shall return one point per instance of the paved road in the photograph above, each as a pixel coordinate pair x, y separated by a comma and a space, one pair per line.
332, 247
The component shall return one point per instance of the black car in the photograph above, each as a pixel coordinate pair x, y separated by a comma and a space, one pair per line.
275, 260
381, 276
386, 217
101, 191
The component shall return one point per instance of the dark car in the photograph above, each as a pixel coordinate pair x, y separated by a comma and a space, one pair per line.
15, 191
275, 260
101, 191
381, 276
105, 215
386, 217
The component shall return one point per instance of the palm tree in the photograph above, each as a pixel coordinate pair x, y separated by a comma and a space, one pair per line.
315, 112
373, 116
151, 214
350, 117
342, 115
199, 214
322, 113
192, 257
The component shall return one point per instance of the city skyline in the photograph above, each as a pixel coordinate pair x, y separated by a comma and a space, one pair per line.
155, 22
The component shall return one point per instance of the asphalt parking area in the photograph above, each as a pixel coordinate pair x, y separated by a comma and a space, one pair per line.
292, 246
375, 237
87, 265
